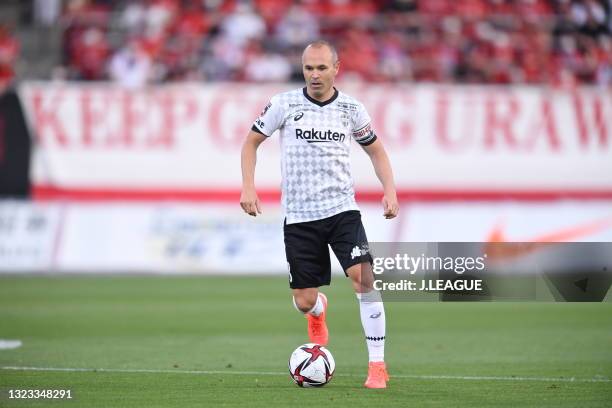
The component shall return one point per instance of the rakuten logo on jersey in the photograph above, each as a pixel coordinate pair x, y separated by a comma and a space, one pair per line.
317, 136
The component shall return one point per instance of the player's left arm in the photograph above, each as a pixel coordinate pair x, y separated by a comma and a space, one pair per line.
382, 167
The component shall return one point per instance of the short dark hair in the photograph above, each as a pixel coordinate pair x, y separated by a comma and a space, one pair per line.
324, 43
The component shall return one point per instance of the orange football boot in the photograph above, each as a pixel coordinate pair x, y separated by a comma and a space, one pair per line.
317, 328
377, 375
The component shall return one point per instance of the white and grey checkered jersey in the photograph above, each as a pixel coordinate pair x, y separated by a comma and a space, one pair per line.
315, 145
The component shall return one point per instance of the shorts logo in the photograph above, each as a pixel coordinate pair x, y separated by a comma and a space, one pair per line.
357, 252
298, 116
375, 315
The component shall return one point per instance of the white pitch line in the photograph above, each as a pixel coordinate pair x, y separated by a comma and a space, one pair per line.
9, 344
214, 372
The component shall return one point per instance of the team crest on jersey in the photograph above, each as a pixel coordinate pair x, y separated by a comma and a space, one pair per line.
345, 120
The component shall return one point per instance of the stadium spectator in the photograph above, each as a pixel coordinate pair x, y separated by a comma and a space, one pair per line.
266, 66
9, 51
131, 66
394, 63
46, 12
272, 11
86, 47
89, 53
243, 25
296, 28
359, 56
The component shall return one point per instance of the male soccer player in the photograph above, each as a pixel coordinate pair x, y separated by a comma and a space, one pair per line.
316, 125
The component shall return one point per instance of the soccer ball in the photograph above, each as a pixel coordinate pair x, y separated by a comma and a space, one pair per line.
311, 365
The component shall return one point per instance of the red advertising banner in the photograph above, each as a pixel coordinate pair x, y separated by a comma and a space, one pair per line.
444, 142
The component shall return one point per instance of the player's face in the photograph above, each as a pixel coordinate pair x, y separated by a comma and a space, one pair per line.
319, 72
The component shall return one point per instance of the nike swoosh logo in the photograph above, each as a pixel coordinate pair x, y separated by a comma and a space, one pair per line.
528, 245
562, 235
375, 315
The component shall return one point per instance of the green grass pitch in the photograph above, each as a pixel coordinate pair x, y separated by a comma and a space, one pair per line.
219, 341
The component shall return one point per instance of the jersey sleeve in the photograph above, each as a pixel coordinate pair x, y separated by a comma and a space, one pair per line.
270, 118
362, 127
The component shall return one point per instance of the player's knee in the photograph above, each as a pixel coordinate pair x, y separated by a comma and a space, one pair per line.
304, 305
304, 302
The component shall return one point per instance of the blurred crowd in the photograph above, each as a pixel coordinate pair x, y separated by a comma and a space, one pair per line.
9, 52
560, 42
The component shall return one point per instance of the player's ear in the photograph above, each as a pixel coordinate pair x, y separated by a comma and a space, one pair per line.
337, 66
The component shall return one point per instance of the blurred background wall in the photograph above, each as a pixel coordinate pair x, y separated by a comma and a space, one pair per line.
121, 124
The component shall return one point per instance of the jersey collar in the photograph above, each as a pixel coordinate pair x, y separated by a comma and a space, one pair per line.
319, 103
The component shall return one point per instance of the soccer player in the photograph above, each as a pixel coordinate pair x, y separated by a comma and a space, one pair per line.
316, 125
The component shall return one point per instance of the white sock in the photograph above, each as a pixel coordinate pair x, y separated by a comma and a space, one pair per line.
373, 321
316, 310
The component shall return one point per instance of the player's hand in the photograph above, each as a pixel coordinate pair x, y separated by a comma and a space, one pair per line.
390, 206
250, 202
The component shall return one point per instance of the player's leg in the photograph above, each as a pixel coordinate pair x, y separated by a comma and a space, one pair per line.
313, 304
350, 245
309, 268
373, 321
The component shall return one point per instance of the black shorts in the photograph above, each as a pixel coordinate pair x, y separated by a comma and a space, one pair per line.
306, 247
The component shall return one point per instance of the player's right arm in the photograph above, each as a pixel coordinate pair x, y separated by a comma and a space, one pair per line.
248, 158
269, 120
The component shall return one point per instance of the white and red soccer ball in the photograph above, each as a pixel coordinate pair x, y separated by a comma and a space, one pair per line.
311, 365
